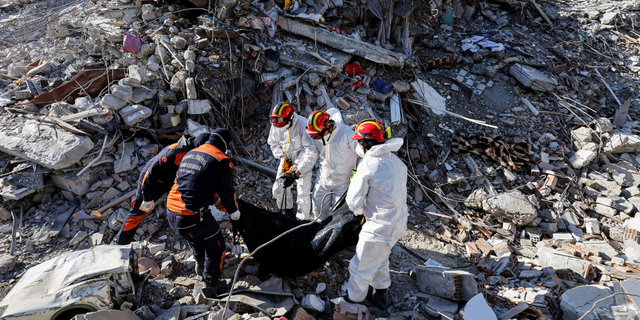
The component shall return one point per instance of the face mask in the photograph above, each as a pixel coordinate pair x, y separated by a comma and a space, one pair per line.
360, 151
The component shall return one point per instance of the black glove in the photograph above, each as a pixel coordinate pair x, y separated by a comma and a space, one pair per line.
288, 179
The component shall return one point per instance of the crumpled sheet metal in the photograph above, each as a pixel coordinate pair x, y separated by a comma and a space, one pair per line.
90, 81
76, 277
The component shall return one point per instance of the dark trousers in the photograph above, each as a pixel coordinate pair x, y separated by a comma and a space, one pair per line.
129, 227
204, 238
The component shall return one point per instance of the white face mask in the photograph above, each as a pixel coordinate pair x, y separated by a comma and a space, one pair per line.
283, 128
360, 151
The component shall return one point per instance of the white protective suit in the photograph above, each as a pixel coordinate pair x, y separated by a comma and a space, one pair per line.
337, 161
379, 191
294, 143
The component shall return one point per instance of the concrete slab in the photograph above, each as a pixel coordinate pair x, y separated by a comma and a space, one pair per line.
549, 257
49, 146
513, 205
575, 302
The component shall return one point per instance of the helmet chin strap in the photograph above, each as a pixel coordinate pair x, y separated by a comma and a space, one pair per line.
330, 129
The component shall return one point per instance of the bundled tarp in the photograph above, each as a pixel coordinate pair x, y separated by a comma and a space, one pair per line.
302, 250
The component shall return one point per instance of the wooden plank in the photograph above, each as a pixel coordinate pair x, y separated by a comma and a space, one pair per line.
544, 15
349, 45
84, 114
66, 126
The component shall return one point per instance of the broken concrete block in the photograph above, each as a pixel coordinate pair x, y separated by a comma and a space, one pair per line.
190, 85
7, 263
70, 181
581, 136
435, 305
167, 98
558, 260
169, 120
609, 18
575, 302
149, 150
77, 238
622, 143
123, 92
83, 104
446, 283
199, 106
605, 124
178, 42
313, 303
111, 102
177, 81
141, 94
514, 206
350, 311
125, 163
582, 158
474, 201
135, 113
592, 226
141, 74
532, 78
155, 247
190, 66
49, 146
562, 239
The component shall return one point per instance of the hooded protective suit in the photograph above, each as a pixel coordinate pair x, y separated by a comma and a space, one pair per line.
337, 161
293, 143
379, 191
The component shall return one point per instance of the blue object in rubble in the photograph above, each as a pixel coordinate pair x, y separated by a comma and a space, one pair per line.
381, 86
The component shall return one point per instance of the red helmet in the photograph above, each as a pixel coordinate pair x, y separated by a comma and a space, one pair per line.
318, 124
281, 114
371, 129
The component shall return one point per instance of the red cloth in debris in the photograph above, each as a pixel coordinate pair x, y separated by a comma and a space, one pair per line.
353, 69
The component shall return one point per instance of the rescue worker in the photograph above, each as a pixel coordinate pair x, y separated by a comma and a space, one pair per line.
205, 175
155, 180
379, 191
297, 154
337, 158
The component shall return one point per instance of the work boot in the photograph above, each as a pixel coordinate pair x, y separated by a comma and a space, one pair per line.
199, 267
380, 298
215, 288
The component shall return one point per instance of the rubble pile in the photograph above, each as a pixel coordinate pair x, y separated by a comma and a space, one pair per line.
519, 117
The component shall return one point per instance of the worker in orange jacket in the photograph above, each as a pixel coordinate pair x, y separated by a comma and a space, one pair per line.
205, 175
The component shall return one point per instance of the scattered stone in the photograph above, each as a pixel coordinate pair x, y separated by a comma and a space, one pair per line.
7, 263
77, 238
312, 302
